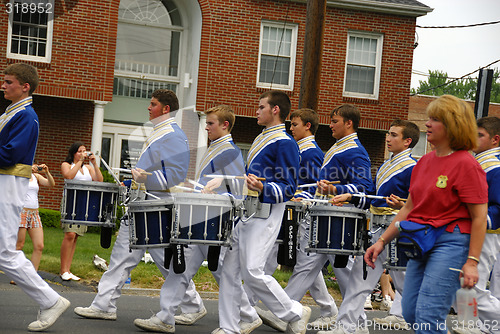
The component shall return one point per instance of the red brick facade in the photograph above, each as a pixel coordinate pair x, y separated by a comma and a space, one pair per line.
230, 46
83, 50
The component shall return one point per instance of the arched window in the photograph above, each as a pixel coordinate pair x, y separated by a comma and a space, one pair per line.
147, 48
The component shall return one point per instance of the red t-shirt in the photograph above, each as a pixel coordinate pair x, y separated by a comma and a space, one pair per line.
440, 187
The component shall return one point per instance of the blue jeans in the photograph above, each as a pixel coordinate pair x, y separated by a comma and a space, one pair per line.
430, 285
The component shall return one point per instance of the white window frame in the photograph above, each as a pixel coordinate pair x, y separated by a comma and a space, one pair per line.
293, 54
48, 48
421, 148
377, 66
144, 76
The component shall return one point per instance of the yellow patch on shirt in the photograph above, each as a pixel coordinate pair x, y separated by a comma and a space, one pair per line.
441, 182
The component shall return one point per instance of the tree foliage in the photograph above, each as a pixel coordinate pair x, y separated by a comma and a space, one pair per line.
439, 84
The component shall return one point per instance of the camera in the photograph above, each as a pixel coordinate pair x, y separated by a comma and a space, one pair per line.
89, 153
39, 168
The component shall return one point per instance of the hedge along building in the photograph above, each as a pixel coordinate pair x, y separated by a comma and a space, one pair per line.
99, 62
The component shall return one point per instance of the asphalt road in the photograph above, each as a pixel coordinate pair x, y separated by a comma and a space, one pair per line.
17, 310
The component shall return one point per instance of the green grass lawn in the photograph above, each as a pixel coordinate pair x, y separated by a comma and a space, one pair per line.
143, 276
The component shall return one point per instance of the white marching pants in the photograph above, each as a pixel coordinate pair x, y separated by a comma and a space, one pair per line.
351, 311
13, 262
487, 304
253, 240
122, 262
318, 290
177, 284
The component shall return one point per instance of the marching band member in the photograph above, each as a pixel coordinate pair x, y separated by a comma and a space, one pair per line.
393, 181
166, 155
273, 155
304, 123
223, 157
449, 193
487, 303
19, 129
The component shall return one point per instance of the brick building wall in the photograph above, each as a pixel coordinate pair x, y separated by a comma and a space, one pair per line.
231, 31
83, 50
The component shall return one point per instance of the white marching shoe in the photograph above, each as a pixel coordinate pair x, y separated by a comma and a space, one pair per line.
189, 318
47, 317
269, 319
299, 326
392, 322
94, 313
386, 303
248, 327
154, 324
368, 303
323, 323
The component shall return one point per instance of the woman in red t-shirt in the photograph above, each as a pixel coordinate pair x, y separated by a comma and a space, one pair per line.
448, 187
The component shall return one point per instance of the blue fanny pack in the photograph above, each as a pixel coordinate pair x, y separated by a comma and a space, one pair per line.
415, 239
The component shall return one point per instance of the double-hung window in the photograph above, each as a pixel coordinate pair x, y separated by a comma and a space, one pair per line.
364, 58
277, 51
30, 29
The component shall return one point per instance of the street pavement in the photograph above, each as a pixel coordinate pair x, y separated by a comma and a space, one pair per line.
17, 310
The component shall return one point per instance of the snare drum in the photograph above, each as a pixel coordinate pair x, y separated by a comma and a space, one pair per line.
151, 223
90, 203
396, 258
205, 219
336, 229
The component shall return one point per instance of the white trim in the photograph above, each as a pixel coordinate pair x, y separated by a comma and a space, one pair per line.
293, 53
378, 7
48, 46
377, 66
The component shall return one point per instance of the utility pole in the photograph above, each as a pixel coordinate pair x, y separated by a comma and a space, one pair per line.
483, 92
313, 52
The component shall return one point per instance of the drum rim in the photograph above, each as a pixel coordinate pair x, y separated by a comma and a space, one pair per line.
71, 184
212, 200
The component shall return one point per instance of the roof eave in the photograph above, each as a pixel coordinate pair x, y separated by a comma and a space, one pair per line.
378, 7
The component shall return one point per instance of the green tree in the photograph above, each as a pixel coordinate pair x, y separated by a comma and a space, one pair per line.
439, 84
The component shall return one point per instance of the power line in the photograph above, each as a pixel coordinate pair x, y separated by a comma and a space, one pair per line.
462, 26
462, 77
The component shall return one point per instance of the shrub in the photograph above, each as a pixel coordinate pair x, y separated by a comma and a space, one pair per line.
50, 218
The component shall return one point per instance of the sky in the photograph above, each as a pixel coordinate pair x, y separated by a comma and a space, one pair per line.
457, 51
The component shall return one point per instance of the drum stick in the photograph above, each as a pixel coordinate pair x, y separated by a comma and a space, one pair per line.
189, 189
149, 194
307, 185
130, 172
376, 197
232, 177
196, 184
317, 200
108, 168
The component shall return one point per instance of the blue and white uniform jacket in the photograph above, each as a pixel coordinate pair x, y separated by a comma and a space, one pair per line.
165, 154
490, 163
348, 162
393, 177
311, 158
274, 155
223, 157
496, 152
19, 129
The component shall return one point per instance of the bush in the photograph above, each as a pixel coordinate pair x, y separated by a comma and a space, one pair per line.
50, 218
